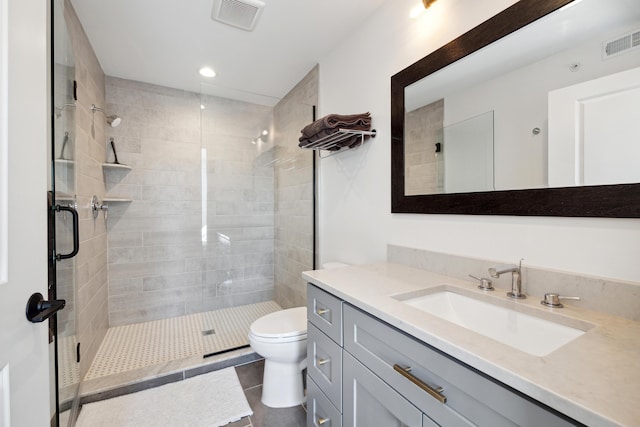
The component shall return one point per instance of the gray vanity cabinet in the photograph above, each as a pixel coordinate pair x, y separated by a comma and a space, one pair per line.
364, 372
446, 391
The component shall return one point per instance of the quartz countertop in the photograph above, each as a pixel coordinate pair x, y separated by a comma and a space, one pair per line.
594, 379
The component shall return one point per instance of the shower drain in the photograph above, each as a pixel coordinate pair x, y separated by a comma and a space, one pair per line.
208, 332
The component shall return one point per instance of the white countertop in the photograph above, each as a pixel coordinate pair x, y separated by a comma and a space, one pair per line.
594, 379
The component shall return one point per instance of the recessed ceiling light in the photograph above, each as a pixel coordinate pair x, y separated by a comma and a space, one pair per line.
207, 72
416, 11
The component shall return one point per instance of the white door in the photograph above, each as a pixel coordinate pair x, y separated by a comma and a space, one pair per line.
24, 99
594, 131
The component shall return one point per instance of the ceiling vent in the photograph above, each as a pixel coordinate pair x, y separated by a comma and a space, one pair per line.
621, 44
241, 14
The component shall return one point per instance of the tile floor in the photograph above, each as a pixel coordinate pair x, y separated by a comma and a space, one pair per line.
250, 376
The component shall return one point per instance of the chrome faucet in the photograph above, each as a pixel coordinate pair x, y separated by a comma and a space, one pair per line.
516, 278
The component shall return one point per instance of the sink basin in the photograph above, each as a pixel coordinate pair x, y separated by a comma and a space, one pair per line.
524, 332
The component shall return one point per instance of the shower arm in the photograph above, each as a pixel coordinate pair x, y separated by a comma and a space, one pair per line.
113, 120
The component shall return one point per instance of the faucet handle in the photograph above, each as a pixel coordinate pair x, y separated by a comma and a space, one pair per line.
485, 284
553, 300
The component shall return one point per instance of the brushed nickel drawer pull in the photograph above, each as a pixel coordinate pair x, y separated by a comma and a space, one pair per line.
433, 392
322, 311
321, 362
323, 421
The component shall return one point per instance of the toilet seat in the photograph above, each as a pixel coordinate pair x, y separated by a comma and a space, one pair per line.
281, 326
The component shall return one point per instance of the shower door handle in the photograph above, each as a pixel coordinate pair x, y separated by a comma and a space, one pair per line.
39, 310
76, 233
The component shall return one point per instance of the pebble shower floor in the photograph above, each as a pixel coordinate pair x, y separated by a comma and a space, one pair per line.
130, 347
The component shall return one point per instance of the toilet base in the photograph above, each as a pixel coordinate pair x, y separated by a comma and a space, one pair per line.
282, 384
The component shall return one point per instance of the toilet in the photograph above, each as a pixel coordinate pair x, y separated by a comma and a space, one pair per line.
281, 338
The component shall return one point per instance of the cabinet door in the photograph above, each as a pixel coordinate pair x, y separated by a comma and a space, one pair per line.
325, 312
324, 364
369, 401
320, 411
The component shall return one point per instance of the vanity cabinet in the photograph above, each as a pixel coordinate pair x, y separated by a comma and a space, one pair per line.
446, 391
374, 374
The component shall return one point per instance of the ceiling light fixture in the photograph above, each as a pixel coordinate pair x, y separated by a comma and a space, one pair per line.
419, 8
207, 72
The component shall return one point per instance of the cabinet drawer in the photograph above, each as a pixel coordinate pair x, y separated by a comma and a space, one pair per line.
324, 364
471, 398
320, 412
371, 402
325, 312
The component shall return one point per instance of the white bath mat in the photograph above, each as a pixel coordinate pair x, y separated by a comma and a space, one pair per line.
208, 400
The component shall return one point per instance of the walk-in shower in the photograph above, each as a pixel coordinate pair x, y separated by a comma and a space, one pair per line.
211, 221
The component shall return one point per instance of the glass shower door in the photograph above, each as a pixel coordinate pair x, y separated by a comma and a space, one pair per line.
63, 187
237, 218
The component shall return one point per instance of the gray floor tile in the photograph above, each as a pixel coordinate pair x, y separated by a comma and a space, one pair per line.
244, 422
251, 374
264, 416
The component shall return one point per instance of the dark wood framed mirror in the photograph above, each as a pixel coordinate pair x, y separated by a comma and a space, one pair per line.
611, 200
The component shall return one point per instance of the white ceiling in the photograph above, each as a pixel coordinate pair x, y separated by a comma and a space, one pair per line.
165, 42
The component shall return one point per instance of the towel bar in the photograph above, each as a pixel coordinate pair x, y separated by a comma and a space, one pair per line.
334, 140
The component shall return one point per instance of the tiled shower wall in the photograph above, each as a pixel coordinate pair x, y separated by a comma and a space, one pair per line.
198, 232
88, 153
424, 170
294, 192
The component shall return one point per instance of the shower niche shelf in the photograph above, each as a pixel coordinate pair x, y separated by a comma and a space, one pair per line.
107, 167
115, 166
65, 162
65, 197
330, 142
116, 200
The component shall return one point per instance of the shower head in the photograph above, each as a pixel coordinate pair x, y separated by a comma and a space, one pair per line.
113, 120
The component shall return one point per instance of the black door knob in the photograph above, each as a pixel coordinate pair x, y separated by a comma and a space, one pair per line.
39, 309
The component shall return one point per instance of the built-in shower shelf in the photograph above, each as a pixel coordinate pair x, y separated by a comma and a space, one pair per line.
116, 200
64, 197
333, 141
65, 162
114, 166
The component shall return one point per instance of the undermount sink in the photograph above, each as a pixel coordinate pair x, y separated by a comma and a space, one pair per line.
524, 332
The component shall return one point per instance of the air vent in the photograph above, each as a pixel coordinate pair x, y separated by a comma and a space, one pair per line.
241, 14
621, 44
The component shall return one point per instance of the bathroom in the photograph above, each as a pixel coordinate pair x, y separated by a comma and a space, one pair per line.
354, 219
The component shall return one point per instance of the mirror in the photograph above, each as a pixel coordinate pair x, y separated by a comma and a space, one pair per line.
487, 123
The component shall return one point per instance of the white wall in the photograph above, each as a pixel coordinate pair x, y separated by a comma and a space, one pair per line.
355, 223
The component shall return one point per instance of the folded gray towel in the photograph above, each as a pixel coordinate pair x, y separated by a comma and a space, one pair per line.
337, 121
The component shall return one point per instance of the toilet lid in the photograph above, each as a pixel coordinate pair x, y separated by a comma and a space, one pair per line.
281, 324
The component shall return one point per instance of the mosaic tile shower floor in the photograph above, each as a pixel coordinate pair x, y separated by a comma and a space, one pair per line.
131, 347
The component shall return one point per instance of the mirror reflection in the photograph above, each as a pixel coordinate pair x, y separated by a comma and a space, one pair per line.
552, 105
